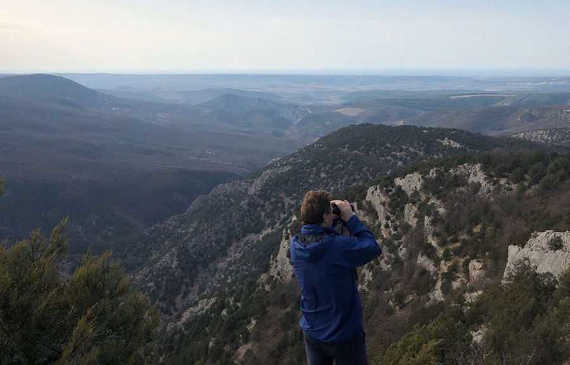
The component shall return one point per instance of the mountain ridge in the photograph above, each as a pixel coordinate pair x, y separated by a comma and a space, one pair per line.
445, 227
46, 87
186, 248
67, 150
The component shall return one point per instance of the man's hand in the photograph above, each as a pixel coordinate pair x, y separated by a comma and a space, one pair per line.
345, 209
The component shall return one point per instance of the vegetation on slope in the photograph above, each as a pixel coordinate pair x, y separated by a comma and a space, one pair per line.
475, 227
203, 255
92, 317
403, 324
551, 136
276, 324
524, 322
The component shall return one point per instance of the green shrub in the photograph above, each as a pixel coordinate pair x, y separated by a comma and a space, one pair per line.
443, 341
93, 317
555, 243
525, 319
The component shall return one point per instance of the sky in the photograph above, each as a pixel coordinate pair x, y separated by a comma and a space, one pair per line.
176, 36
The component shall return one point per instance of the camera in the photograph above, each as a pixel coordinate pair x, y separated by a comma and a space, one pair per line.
336, 209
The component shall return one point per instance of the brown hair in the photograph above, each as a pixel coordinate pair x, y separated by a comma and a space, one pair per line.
315, 204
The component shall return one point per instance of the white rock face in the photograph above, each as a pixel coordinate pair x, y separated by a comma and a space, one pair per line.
426, 263
410, 211
410, 183
471, 297
429, 231
377, 198
541, 252
449, 142
475, 174
199, 308
403, 252
479, 334
365, 278
280, 268
476, 271
436, 295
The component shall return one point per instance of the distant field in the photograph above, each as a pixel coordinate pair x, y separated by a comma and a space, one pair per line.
351, 112
480, 96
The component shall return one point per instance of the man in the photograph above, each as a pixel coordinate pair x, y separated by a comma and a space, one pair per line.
325, 264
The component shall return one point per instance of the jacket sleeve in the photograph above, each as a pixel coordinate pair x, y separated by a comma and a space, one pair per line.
360, 248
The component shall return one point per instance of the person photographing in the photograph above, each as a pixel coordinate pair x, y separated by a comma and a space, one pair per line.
324, 263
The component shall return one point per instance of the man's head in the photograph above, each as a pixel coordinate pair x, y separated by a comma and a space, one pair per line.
316, 208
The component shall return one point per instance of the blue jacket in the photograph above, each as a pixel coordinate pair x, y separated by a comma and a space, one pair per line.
326, 272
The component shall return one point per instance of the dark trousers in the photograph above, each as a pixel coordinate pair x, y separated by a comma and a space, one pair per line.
352, 352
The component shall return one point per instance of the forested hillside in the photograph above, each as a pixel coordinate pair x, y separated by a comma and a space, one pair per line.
215, 242
551, 136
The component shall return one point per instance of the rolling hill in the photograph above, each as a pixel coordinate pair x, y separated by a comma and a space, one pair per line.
113, 165
52, 89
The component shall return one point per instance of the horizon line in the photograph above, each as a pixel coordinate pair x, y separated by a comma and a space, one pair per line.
447, 72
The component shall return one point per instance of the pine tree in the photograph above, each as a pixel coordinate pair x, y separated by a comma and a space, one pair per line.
93, 317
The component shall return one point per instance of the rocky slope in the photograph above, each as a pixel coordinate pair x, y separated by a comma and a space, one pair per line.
450, 230
445, 227
220, 269
547, 251
228, 235
552, 136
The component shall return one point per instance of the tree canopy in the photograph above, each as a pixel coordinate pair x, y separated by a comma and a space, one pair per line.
93, 316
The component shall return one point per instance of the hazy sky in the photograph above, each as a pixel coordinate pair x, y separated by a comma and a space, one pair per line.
218, 35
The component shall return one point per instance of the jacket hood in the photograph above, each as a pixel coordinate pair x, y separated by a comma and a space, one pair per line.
311, 251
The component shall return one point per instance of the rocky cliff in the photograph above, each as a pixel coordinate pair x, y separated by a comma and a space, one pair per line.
547, 251
445, 228
220, 271
228, 235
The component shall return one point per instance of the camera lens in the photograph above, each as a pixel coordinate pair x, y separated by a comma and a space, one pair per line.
335, 209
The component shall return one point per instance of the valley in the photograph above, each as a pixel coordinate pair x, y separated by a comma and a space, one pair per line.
194, 182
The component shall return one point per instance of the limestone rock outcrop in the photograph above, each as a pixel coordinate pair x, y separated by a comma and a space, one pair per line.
476, 270
378, 199
475, 174
410, 183
548, 251
280, 268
